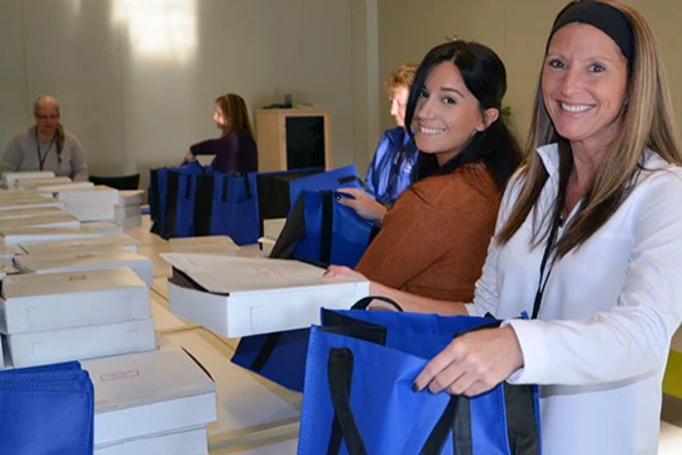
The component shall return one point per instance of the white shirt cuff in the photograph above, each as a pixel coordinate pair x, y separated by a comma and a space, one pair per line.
533, 348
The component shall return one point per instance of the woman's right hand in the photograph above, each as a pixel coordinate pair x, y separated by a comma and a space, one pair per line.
189, 157
363, 205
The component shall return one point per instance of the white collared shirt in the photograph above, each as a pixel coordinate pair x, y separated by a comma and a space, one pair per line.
609, 310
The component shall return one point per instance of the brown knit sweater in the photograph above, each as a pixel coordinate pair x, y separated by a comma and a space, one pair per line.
434, 241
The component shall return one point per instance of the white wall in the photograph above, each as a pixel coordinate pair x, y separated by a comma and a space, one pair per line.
517, 30
137, 78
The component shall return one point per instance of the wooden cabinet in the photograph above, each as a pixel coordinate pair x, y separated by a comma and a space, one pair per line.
293, 139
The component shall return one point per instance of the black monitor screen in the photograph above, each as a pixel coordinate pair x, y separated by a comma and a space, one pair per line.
305, 142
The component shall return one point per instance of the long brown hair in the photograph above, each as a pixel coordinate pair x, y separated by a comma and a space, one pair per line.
647, 121
234, 109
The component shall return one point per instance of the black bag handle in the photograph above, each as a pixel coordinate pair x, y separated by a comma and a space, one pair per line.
203, 204
223, 195
364, 302
344, 428
326, 233
339, 376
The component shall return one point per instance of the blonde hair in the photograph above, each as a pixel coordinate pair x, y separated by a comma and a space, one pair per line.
647, 121
402, 76
234, 108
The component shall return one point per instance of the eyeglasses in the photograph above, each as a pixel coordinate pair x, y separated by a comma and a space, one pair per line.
45, 117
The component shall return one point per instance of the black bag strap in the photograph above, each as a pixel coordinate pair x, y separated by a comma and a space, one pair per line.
171, 205
223, 193
188, 186
203, 204
364, 302
326, 233
456, 419
522, 427
292, 233
265, 351
344, 428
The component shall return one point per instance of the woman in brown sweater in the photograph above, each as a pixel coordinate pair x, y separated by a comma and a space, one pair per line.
433, 242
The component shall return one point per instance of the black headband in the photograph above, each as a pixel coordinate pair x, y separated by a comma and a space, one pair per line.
606, 18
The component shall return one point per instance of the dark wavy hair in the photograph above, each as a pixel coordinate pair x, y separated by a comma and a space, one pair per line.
486, 78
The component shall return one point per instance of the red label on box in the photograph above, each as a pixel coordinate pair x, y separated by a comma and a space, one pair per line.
120, 375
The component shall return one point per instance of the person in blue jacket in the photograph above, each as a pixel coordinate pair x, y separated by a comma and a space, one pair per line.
390, 172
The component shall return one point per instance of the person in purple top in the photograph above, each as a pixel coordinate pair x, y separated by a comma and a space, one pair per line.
235, 150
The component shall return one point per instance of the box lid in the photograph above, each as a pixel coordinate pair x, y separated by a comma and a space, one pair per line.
12, 214
31, 285
221, 244
110, 241
228, 274
31, 184
14, 236
139, 379
79, 259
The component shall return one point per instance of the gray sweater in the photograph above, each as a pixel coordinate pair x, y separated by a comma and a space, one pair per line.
21, 154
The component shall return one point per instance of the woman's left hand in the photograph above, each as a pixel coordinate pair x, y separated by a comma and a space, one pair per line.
473, 363
364, 205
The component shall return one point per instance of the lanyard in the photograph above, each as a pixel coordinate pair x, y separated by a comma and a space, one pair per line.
397, 162
42, 158
542, 282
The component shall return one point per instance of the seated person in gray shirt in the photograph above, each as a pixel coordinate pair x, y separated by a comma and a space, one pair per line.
46, 146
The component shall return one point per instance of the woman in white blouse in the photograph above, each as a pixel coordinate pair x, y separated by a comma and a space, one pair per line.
588, 240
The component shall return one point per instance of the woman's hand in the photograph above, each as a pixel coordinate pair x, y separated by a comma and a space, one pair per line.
342, 271
364, 205
189, 157
473, 363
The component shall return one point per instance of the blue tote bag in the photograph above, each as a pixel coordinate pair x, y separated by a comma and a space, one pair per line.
234, 208
180, 200
358, 396
321, 231
281, 356
158, 188
47, 410
343, 177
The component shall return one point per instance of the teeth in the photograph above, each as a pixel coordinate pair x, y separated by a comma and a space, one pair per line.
576, 107
425, 130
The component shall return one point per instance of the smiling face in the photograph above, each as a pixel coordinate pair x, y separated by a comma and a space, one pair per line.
447, 115
584, 85
47, 119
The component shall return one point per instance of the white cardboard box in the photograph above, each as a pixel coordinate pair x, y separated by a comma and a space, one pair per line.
93, 259
105, 228
17, 214
189, 442
152, 393
236, 296
62, 221
77, 343
9, 178
25, 235
90, 204
32, 184
212, 244
51, 189
128, 198
28, 202
96, 243
42, 302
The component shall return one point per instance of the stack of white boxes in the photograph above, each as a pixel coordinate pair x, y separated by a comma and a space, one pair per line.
50, 318
21, 235
129, 209
90, 204
9, 179
151, 403
83, 245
